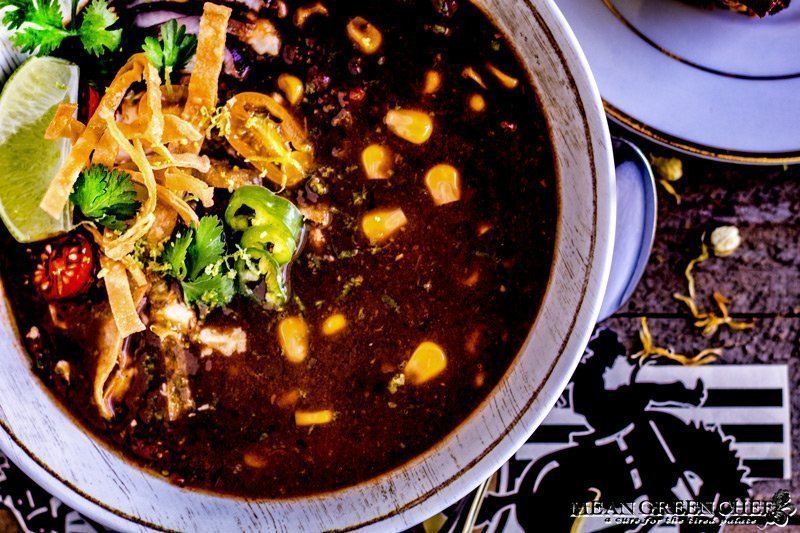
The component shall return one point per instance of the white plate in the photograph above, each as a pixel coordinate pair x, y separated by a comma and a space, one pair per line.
710, 82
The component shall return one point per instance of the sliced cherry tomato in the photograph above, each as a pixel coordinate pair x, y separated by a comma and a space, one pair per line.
64, 268
89, 102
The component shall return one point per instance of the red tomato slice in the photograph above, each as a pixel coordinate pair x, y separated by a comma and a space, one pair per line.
65, 268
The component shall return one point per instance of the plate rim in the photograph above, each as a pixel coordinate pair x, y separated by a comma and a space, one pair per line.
703, 151
701, 146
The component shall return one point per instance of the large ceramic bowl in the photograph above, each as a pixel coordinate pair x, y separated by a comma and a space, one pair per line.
61, 456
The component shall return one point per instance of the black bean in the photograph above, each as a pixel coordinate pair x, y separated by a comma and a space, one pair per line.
446, 8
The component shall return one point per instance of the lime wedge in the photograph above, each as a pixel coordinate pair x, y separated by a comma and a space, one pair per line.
28, 161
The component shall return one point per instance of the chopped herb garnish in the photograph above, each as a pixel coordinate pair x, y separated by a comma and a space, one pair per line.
359, 197
351, 284
347, 254
213, 291
94, 32
208, 246
172, 51
39, 28
105, 196
197, 260
391, 303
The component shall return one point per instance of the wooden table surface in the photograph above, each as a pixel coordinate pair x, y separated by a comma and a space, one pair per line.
762, 278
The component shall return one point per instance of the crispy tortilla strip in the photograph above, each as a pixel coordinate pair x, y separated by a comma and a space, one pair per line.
135, 270
165, 159
203, 83
112, 354
167, 198
178, 130
105, 153
122, 246
120, 298
57, 194
161, 230
64, 124
149, 124
176, 180
222, 176
110, 344
173, 98
178, 204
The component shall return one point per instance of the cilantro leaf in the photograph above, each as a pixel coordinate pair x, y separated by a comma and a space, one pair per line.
94, 32
15, 15
38, 26
172, 51
175, 254
105, 196
197, 259
214, 291
208, 246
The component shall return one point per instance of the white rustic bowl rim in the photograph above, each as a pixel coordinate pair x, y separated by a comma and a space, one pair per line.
42, 439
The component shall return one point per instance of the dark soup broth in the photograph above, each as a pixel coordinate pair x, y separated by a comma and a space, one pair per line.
428, 236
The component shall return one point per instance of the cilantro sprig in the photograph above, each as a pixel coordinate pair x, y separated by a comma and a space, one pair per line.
105, 196
172, 51
197, 259
38, 26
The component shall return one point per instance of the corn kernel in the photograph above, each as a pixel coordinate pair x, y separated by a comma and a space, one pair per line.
472, 279
288, 399
364, 35
477, 103
444, 184
427, 362
334, 324
255, 460
292, 87
380, 224
293, 337
313, 418
377, 161
304, 12
505, 80
414, 126
433, 82
472, 74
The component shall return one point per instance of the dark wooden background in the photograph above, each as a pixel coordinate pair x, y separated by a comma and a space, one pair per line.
762, 278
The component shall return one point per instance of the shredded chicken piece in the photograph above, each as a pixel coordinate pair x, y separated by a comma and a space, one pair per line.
178, 365
226, 341
172, 320
168, 314
263, 37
